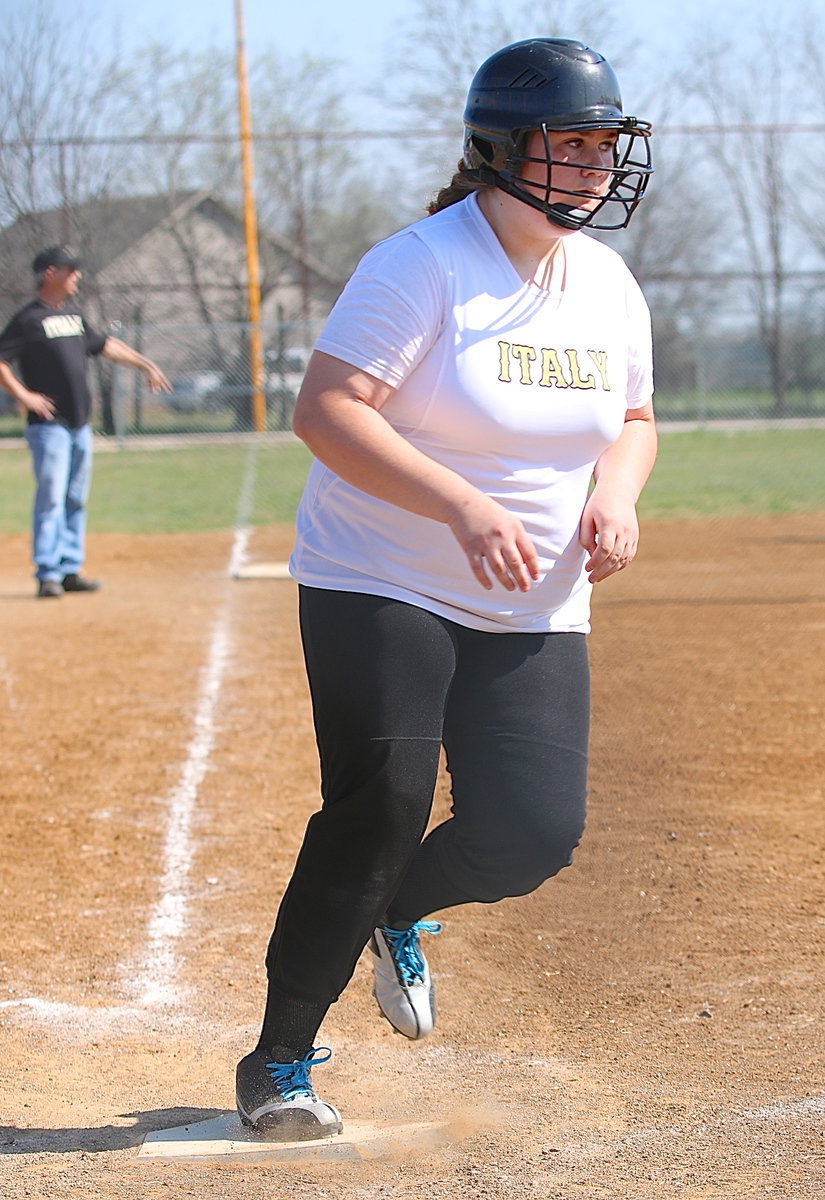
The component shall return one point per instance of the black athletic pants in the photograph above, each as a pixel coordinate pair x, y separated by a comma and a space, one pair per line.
390, 684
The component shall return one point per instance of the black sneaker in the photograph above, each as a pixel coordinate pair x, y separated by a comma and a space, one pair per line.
76, 583
277, 1098
49, 588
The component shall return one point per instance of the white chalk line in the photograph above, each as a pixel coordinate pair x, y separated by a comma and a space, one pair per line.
79, 1018
238, 557
8, 686
811, 1106
73, 1023
154, 982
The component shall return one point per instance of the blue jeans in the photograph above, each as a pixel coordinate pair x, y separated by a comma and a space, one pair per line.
62, 464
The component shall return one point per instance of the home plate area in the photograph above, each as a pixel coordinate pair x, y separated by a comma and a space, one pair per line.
225, 1137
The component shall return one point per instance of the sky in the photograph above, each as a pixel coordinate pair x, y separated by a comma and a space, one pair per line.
360, 32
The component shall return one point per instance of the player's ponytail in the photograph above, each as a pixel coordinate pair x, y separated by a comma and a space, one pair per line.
459, 187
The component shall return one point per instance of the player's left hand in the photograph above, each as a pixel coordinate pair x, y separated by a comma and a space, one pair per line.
609, 531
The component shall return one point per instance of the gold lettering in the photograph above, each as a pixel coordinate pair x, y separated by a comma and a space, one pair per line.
551, 372
600, 359
589, 381
63, 326
525, 355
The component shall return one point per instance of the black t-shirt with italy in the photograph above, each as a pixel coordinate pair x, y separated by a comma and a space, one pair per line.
50, 346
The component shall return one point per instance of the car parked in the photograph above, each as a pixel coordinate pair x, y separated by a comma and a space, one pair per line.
285, 370
199, 392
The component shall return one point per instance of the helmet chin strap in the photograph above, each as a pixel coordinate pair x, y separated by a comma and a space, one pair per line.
562, 214
565, 215
556, 214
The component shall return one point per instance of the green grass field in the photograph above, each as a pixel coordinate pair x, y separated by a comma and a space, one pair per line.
176, 490
750, 472
198, 487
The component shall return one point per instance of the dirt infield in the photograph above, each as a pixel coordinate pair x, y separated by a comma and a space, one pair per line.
647, 1026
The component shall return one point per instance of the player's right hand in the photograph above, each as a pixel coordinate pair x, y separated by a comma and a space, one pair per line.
495, 542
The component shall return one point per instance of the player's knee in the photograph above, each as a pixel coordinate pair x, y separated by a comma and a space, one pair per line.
518, 869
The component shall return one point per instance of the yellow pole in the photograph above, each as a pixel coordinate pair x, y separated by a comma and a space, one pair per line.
253, 269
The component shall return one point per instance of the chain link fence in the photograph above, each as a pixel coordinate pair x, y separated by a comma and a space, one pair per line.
700, 380
209, 369
703, 380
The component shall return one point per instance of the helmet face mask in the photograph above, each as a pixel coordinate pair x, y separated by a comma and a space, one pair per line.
548, 85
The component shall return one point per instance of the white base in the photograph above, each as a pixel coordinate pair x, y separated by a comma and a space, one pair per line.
261, 570
225, 1137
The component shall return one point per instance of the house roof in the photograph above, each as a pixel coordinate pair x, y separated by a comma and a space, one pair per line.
102, 230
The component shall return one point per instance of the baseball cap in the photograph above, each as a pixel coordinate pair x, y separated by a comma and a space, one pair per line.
55, 256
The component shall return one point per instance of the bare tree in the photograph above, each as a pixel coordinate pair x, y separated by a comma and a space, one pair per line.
446, 41
753, 96
76, 127
183, 127
61, 87
310, 175
806, 201
307, 170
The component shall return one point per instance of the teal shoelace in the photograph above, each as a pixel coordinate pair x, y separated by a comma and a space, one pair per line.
405, 951
292, 1079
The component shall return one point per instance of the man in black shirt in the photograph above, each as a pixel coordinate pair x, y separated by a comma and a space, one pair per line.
50, 341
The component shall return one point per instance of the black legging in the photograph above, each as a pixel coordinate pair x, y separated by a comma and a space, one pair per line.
390, 684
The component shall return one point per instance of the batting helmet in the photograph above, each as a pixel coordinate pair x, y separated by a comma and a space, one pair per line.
553, 84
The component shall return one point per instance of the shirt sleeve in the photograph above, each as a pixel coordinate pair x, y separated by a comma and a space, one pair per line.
390, 312
94, 341
640, 349
11, 341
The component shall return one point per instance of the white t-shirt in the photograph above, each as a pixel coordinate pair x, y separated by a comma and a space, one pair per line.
516, 389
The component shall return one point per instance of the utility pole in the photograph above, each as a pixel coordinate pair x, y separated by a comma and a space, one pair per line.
253, 269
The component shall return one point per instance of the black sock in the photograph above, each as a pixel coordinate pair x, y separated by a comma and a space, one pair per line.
400, 924
290, 1025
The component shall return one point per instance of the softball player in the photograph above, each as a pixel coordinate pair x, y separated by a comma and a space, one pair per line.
479, 406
